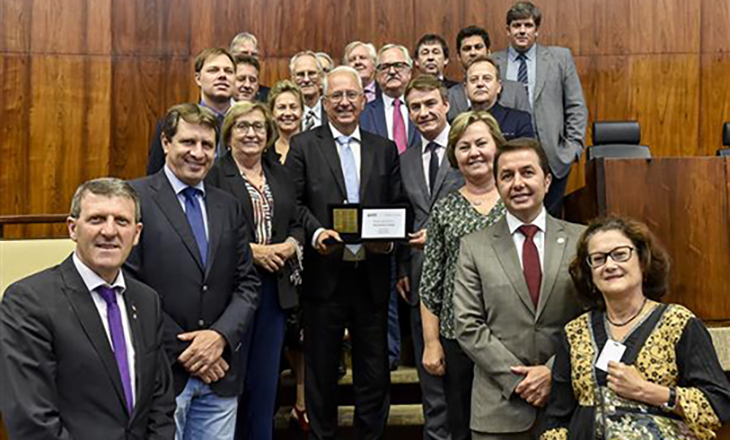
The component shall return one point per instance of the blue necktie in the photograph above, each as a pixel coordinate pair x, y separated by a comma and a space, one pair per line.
349, 169
119, 345
195, 217
522, 72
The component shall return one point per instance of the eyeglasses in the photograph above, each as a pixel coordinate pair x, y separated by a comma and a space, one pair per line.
351, 95
619, 255
399, 67
243, 126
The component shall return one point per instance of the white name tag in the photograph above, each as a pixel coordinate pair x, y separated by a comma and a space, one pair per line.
612, 351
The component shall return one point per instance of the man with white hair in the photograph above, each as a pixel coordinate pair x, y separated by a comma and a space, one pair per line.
306, 72
362, 57
345, 286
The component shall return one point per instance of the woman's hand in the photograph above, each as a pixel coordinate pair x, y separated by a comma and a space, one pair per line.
626, 381
434, 360
267, 257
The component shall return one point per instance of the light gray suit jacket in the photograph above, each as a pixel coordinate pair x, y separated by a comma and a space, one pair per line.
414, 182
559, 111
513, 95
497, 324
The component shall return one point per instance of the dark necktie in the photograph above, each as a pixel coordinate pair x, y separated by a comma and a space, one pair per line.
194, 213
114, 318
433, 165
309, 120
522, 72
531, 262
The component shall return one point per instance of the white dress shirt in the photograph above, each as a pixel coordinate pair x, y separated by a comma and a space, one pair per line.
389, 105
442, 140
519, 239
178, 186
316, 112
92, 281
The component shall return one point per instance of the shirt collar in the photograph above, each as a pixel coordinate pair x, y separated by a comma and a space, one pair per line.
529, 55
336, 133
513, 222
93, 281
317, 109
388, 101
177, 184
217, 114
442, 139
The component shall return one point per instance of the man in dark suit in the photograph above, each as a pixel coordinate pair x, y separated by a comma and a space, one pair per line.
246, 44
427, 177
473, 42
81, 350
387, 115
513, 295
344, 286
483, 87
246, 84
431, 56
194, 251
215, 71
306, 72
362, 57
556, 95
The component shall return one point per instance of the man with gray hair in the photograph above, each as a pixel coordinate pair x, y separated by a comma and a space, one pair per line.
306, 72
345, 286
81, 344
246, 44
362, 57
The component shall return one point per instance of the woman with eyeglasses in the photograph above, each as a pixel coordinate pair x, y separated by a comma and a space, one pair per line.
263, 186
632, 367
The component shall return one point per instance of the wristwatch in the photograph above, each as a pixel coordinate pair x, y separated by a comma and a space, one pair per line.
672, 401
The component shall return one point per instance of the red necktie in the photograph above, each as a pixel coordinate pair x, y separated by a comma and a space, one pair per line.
531, 262
399, 127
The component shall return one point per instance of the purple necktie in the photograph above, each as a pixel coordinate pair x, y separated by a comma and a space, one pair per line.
399, 127
119, 345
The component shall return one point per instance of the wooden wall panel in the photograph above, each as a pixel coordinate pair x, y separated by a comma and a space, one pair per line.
715, 29
216, 22
151, 27
71, 27
15, 25
385, 21
665, 100
14, 137
594, 27
714, 101
664, 26
143, 90
446, 17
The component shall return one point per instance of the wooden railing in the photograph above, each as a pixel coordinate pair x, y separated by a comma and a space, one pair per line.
32, 219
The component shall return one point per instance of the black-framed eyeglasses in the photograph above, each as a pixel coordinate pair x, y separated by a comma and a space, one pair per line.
619, 254
399, 67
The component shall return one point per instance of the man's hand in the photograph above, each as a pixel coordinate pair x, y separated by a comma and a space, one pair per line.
215, 372
535, 387
204, 351
403, 287
417, 239
267, 257
323, 238
626, 381
433, 359
383, 247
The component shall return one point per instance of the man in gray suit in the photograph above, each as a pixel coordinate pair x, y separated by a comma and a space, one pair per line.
473, 42
513, 295
427, 177
558, 107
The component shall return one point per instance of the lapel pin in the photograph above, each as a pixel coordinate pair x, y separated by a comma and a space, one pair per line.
134, 311
561, 240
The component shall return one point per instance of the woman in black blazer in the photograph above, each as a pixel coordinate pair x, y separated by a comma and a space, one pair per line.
265, 191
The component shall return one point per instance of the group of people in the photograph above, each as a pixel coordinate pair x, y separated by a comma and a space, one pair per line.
170, 318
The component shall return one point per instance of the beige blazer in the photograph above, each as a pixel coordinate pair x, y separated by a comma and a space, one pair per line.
497, 324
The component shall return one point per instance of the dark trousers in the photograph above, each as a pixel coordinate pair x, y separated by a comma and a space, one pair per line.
325, 320
436, 424
255, 420
458, 379
554, 198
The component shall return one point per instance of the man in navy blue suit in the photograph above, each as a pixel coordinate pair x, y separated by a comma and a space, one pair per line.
483, 87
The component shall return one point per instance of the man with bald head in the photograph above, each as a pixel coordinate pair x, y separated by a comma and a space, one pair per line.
345, 286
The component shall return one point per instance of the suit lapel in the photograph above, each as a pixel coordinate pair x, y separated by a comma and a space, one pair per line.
555, 244
277, 192
508, 258
167, 201
501, 59
237, 186
88, 315
214, 210
131, 304
413, 136
541, 69
440, 177
329, 151
412, 168
381, 126
367, 156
